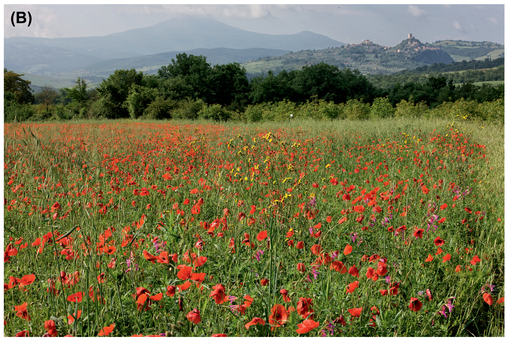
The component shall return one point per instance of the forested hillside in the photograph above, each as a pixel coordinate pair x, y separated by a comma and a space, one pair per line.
190, 87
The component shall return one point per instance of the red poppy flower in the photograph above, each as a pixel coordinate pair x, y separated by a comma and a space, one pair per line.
264, 282
354, 271
22, 311
170, 291
348, 250
300, 245
475, 260
316, 249
284, 293
26, 280
418, 233
352, 286
279, 316
218, 293
383, 292
371, 274
107, 330
75, 297
157, 297
488, 299
303, 307
254, 321
262, 235
415, 305
184, 273
184, 286
194, 316
429, 258
219, 335
50, 327
355, 312
306, 326
438, 241
72, 317
150, 257
446, 258
381, 268
22, 334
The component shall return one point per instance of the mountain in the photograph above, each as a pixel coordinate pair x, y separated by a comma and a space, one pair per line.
177, 34
151, 63
367, 57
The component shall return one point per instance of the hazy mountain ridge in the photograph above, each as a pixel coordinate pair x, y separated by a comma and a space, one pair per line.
178, 34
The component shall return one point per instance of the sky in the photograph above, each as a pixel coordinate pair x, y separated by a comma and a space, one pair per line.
386, 25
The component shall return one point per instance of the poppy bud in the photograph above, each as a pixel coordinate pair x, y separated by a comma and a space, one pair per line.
300, 267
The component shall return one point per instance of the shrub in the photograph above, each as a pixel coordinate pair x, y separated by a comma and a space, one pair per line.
356, 109
254, 113
139, 98
188, 109
14, 112
382, 108
160, 108
214, 112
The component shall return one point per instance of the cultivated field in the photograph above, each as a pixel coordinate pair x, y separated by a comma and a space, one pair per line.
388, 227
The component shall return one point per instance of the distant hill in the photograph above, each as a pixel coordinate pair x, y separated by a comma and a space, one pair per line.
151, 63
468, 50
367, 57
64, 55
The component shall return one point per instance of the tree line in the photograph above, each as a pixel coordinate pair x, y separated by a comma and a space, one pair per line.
190, 87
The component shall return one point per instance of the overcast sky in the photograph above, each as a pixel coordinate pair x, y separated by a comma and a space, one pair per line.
382, 24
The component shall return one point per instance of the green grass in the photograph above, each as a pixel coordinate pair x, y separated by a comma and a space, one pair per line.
262, 186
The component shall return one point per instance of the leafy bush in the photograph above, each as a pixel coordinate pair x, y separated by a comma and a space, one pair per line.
14, 112
214, 112
493, 111
382, 108
160, 108
356, 109
139, 98
188, 109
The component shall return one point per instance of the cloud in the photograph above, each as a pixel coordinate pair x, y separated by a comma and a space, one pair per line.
456, 25
415, 11
43, 22
492, 20
224, 11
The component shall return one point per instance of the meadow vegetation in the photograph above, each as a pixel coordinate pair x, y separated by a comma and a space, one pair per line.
386, 226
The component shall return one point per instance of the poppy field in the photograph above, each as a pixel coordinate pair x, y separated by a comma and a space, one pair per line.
344, 228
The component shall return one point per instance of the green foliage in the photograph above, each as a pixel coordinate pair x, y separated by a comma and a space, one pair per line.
356, 109
113, 93
214, 112
14, 112
160, 108
188, 109
19, 87
382, 108
320, 110
254, 113
139, 98
79, 92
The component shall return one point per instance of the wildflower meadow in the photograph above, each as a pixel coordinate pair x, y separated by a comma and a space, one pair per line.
389, 227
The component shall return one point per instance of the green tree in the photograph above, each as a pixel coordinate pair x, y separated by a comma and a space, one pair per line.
230, 87
113, 93
14, 84
139, 98
79, 92
194, 71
